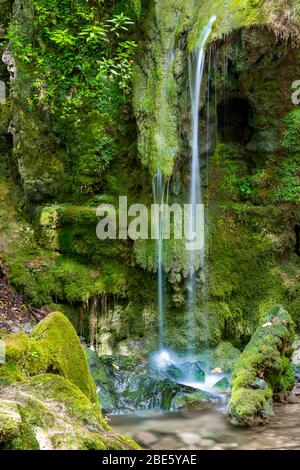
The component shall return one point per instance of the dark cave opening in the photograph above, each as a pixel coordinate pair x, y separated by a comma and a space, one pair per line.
233, 120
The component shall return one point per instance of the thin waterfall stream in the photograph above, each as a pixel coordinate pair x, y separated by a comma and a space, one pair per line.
197, 259
159, 192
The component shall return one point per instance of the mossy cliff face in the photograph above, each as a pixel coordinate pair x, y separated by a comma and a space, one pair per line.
263, 371
65, 164
253, 187
47, 397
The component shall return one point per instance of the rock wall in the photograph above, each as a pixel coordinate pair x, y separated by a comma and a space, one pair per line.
63, 169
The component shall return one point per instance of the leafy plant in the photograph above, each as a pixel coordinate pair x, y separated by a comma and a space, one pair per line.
71, 52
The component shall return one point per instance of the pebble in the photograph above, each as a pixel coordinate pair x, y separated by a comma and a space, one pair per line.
207, 443
189, 438
145, 438
166, 443
231, 445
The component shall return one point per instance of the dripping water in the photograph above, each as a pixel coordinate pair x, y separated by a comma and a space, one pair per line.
197, 259
158, 192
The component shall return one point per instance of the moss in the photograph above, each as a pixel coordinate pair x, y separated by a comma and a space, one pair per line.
224, 356
46, 277
263, 371
156, 91
53, 346
190, 401
235, 14
26, 440
10, 421
56, 335
52, 399
62, 390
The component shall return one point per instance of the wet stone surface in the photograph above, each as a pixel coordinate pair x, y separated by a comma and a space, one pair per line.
209, 430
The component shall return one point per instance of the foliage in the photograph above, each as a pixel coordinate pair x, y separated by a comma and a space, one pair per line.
292, 134
288, 189
77, 54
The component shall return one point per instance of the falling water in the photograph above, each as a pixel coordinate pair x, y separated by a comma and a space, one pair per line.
158, 192
197, 259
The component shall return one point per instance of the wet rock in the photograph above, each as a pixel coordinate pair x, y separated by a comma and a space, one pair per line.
258, 384
194, 371
189, 438
223, 385
231, 445
208, 443
166, 443
145, 438
174, 372
217, 371
190, 401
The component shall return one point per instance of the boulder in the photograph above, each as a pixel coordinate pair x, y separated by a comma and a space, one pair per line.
47, 396
194, 371
264, 371
223, 385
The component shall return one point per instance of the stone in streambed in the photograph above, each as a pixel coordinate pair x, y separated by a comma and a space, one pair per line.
174, 372
189, 438
223, 385
145, 438
194, 371
192, 401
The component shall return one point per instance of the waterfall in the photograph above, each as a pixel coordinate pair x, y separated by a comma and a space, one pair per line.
158, 192
197, 258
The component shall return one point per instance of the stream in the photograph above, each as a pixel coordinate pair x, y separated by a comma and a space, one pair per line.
208, 429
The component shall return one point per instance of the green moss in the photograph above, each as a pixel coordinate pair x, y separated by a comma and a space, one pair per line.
56, 335
224, 356
62, 390
10, 421
53, 346
292, 132
190, 401
46, 277
52, 397
233, 15
263, 370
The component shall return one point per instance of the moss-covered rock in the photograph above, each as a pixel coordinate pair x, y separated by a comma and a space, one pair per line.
58, 337
263, 371
53, 346
10, 421
48, 399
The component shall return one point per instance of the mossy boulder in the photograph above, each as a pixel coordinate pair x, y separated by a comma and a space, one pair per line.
48, 399
54, 347
10, 420
193, 400
264, 370
48, 412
